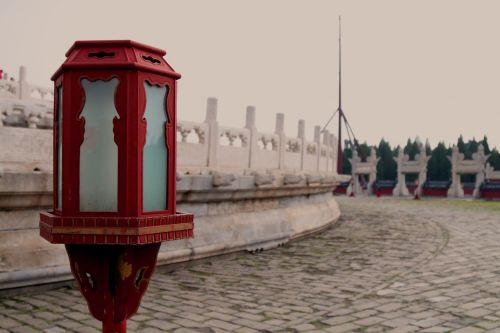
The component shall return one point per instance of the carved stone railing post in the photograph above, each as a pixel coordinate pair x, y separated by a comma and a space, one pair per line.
326, 136
24, 88
455, 189
400, 189
253, 141
280, 131
373, 161
423, 159
355, 160
213, 131
317, 135
333, 155
302, 137
481, 160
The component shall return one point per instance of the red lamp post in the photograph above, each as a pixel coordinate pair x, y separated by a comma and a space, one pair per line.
114, 172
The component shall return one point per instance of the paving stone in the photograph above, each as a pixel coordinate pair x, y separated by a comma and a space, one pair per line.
338, 320
161, 324
48, 316
477, 313
54, 330
388, 265
246, 330
390, 307
348, 327
369, 321
398, 322
187, 323
221, 324
429, 322
156, 330
486, 324
404, 329
468, 330
365, 313
90, 329
436, 329
6, 322
23, 329
304, 327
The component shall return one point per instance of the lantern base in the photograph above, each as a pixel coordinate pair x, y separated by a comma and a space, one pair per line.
113, 327
113, 279
157, 228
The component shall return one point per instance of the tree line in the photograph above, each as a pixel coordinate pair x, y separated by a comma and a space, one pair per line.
439, 166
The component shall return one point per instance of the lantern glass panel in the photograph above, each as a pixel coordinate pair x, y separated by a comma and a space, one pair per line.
99, 152
155, 149
59, 147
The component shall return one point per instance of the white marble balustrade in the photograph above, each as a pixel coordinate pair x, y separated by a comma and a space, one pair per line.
245, 148
25, 105
26, 116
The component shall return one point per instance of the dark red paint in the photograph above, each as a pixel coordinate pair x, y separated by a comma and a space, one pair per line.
113, 254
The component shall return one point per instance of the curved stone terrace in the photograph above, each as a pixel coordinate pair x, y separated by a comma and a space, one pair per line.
388, 265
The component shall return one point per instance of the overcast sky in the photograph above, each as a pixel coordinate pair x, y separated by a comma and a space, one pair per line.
426, 68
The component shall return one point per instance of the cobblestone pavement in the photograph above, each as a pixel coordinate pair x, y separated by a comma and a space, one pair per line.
387, 266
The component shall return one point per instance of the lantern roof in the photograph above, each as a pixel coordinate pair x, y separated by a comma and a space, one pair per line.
116, 55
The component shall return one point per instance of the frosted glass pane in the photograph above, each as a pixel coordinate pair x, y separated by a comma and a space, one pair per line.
98, 152
155, 150
59, 147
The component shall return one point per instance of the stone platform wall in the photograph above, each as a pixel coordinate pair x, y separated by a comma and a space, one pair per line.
243, 216
249, 190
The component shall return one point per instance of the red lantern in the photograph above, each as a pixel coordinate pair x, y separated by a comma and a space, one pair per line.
114, 171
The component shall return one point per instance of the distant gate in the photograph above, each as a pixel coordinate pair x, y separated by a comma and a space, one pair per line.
461, 166
363, 168
405, 166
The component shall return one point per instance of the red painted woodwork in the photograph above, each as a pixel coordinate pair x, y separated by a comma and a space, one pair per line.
113, 254
132, 64
435, 192
411, 188
384, 191
113, 279
490, 194
468, 191
340, 190
115, 230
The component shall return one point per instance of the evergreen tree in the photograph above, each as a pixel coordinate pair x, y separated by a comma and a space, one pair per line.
396, 150
412, 148
415, 149
468, 149
494, 159
439, 166
364, 151
472, 147
346, 165
408, 147
486, 146
410, 151
428, 149
461, 144
386, 167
